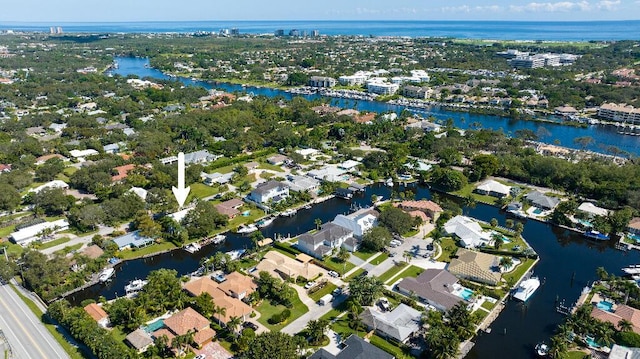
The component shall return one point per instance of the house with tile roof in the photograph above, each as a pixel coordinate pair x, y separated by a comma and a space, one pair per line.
434, 287
430, 208
122, 172
188, 320
139, 340
476, 266
98, 314
621, 312
234, 307
280, 266
238, 285
634, 225
493, 188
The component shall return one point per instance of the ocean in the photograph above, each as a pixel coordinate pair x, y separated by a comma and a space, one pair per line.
497, 30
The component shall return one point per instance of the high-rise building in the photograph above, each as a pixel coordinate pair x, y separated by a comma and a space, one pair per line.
279, 32
315, 33
235, 31
294, 32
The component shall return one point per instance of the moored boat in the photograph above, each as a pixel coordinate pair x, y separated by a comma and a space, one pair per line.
219, 238
235, 254
288, 213
247, 228
389, 182
542, 349
526, 289
192, 247
265, 222
135, 286
596, 235
106, 274
632, 269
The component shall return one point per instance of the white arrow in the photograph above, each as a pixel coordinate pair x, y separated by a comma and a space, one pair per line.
181, 193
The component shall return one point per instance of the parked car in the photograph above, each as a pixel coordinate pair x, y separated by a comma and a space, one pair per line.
250, 325
337, 292
201, 356
333, 274
309, 285
392, 254
430, 246
384, 304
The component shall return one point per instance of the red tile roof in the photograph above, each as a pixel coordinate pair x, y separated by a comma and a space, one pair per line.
123, 172
95, 311
185, 320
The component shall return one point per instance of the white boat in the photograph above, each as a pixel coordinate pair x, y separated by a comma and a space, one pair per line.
106, 274
135, 286
307, 206
289, 213
219, 238
542, 349
235, 254
192, 247
632, 269
389, 182
265, 222
526, 289
247, 228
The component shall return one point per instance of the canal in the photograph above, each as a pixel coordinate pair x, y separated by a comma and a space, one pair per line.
551, 133
567, 263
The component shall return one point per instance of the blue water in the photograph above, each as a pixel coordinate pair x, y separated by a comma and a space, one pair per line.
466, 294
555, 133
537, 211
634, 237
605, 305
591, 342
499, 30
152, 327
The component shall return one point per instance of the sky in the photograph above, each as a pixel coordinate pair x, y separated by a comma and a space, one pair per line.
217, 10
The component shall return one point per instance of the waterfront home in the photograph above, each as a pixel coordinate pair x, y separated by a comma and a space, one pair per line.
621, 312
541, 200
139, 340
634, 226
271, 191
591, 210
50, 185
39, 232
434, 287
476, 266
321, 243
620, 352
358, 222
190, 321
238, 285
398, 324
230, 207
98, 314
233, 307
353, 347
430, 208
280, 266
322, 81
467, 231
329, 173
132, 240
493, 188
302, 183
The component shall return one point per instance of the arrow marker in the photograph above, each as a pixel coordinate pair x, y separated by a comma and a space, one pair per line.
181, 193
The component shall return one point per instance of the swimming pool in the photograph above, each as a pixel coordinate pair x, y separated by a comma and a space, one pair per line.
605, 305
505, 240
591, 342
465, 294
634, 237
246, 213
537, 211
152, 327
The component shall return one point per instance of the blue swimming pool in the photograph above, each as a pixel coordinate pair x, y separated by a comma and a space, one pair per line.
152, 327
537, 211
246, 213
634, 237
591, 342
605, 305
465, 294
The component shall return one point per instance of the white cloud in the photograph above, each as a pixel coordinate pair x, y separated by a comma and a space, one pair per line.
610, 5
469, 9
567, 6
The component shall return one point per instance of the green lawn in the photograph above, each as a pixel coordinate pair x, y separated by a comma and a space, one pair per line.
267, 310
254, 214
327, 289
53, 243
337, 265
384, 277
334, 312
412, 271
154, 248
576, 354
268, 166
449, 247
488, 305
379, 259
388, 347
354, 274
520, 270
201, 190
69, 249
267, 175
364, 255
6, 231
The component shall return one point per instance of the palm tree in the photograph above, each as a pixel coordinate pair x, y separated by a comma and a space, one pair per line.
407, 256
233, 324
625, 325
497, 240
559, 347
221, 313
506, 262
343, 254
316, 330
318, 223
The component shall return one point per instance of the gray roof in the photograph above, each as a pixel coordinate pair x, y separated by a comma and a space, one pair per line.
620, 352
267, 186
433, 285
198, 156
328, 233
398, 324
355, 348
139, 339
132, 239
542, 200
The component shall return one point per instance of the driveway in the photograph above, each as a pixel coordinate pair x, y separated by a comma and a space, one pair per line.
102, 230
315, 311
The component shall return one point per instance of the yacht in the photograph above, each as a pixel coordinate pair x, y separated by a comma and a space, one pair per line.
265, 222
247, 228
632, 269
219, 238
235, 254
106, 274
135, 286
289, 213
192, 247
389, 182
542, 349
596, 235
526, 289
308, 206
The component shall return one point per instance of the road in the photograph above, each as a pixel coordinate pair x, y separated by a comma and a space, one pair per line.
85, 240
28, 337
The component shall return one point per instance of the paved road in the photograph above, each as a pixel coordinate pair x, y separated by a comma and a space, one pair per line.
86, 240
28, 337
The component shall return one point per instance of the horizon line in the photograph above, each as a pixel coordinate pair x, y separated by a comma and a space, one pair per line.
307, 20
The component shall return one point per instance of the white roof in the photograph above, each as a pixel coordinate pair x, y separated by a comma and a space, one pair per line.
593, 209
494, 186
399, 323
83, 153
467, 230
179, 216
141, 192
307, 151
327, 173
52, 184
32, 231
349, 164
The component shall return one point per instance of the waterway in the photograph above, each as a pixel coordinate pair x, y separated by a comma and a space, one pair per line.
567, 263
604, 136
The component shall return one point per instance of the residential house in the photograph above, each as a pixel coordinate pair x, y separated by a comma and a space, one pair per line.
349, 165
271, 191
280, 266
398, 324
476, 266
50, 185
216, 178
434, 287
322, 81
307, 153
132, 240
139, 340
122, 172
493, 188
431, 208
114, 148
620, 352
302, 183
188, 320
421, 92
621, 312
81, 154
358, 222
98, 314
38, 232
468, 231
321, 243
57, 127
634, 226
197, 157
277, 160
591, 210
42, 159
140, 192
238, 285
541, 200
233, 306
355, 347
35, 131
230, 207
5, 168
329, 173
